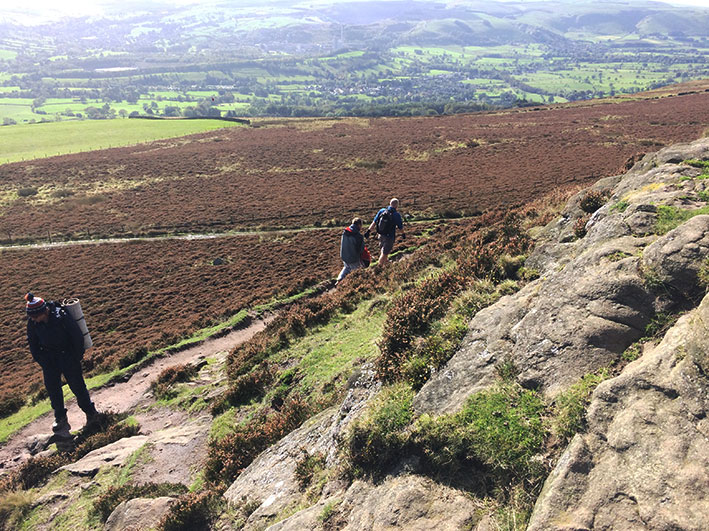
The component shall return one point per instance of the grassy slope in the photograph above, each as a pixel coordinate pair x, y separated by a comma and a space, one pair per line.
24, 142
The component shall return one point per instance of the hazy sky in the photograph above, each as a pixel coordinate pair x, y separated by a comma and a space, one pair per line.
92, 7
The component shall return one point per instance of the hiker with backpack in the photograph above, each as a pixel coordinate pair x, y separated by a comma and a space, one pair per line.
57, 345
353, 251
386, 222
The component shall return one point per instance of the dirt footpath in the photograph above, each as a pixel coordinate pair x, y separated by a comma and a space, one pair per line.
119, 397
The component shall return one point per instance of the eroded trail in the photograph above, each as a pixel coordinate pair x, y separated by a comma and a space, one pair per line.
120, 397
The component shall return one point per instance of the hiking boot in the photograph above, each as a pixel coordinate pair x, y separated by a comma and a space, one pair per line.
61, 426
93, 419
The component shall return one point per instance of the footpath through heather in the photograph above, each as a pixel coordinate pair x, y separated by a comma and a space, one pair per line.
120, 397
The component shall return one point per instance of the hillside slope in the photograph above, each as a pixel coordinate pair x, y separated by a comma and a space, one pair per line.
644, 452
508, 373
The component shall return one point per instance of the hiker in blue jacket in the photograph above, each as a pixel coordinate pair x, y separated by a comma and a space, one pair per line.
57, 344
351, 248
386, 222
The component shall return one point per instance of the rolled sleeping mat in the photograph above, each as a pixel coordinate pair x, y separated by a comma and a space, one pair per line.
73, 308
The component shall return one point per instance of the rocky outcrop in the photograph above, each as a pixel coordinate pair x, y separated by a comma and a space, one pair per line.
595, 295
405, 502
112, 455
138, 514
643, 462
270, 480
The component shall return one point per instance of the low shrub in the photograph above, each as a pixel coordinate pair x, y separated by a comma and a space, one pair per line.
13, 508
376, 440
132, 357
509, 266
112, 497
659, 324
162, 386
593, 200
703, 275
580, 226
229, 455
307, 467
247, 387
370, 165
412, 313
192, 511
27, 192
10, 404
409, 315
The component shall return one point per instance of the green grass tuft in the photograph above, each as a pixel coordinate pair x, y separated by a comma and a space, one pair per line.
669, 218
570, 406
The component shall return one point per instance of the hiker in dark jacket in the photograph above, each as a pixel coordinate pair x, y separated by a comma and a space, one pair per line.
57, 344
351, 247
386, 222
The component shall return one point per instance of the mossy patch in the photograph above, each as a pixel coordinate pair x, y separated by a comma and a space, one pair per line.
669, 217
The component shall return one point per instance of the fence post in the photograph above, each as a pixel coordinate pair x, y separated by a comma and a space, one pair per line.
49, 235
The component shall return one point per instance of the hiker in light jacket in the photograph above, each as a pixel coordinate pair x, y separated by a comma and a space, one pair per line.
57, 344
351, 247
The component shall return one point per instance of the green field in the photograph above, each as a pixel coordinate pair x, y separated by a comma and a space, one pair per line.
32, 141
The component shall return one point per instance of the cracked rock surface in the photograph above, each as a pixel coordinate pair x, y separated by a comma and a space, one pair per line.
643, 462
595, 295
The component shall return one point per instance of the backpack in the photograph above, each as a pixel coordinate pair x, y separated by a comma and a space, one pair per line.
365, 258
385, 225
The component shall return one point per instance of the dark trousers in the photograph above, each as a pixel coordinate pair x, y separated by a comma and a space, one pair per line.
70, 367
